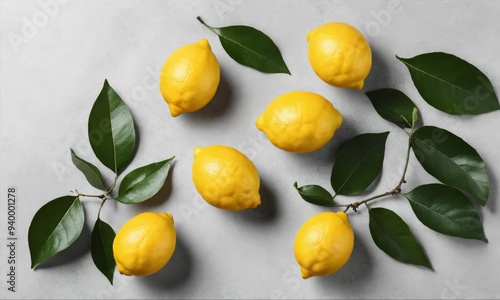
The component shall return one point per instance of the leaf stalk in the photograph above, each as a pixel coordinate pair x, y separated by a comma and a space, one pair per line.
102, 196
100, 207
206, 25
396, 190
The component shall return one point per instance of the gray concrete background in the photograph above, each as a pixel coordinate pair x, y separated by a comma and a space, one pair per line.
51, 76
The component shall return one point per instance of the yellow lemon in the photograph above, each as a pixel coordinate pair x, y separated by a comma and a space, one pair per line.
340, 55
226, 178
323, 244
189, 78
299, 121
144, 244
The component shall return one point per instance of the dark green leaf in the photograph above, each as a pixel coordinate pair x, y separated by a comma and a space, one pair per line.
144, 182
452, 161
251, 47
451, 84
393, 105
315, 194
358, 163
55, 226
111, 130
90, 171
101, 248
393, 236
446, 210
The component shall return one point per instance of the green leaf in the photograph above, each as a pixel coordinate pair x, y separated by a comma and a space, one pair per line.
111, 130
451, 84
394, 106
250, 47
315, 194
393, 236
55, 226
144, 182
358, 163
446, 210
90, 171
452, 161
101, 248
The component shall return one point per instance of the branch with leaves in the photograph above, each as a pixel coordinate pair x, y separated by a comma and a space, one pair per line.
59, 223
451, 85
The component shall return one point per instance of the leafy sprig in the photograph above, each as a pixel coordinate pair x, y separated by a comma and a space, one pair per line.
59, 223
451, 85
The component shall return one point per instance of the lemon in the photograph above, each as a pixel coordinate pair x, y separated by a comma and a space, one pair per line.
189, 78
299, 121
226, 178
144, 244
324, 244
339, 54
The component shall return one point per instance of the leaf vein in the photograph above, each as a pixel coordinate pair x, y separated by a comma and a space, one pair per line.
444, 155
249, 49
140, 182
439, 79
355, 169
59, 223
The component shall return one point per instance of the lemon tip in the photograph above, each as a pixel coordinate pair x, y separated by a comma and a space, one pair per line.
167, 216
305, 273
204, 44
175, 110
257, 201
309, 35
359, 85
197, 150
260, 122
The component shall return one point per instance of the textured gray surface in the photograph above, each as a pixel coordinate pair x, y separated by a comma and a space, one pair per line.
50, 80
